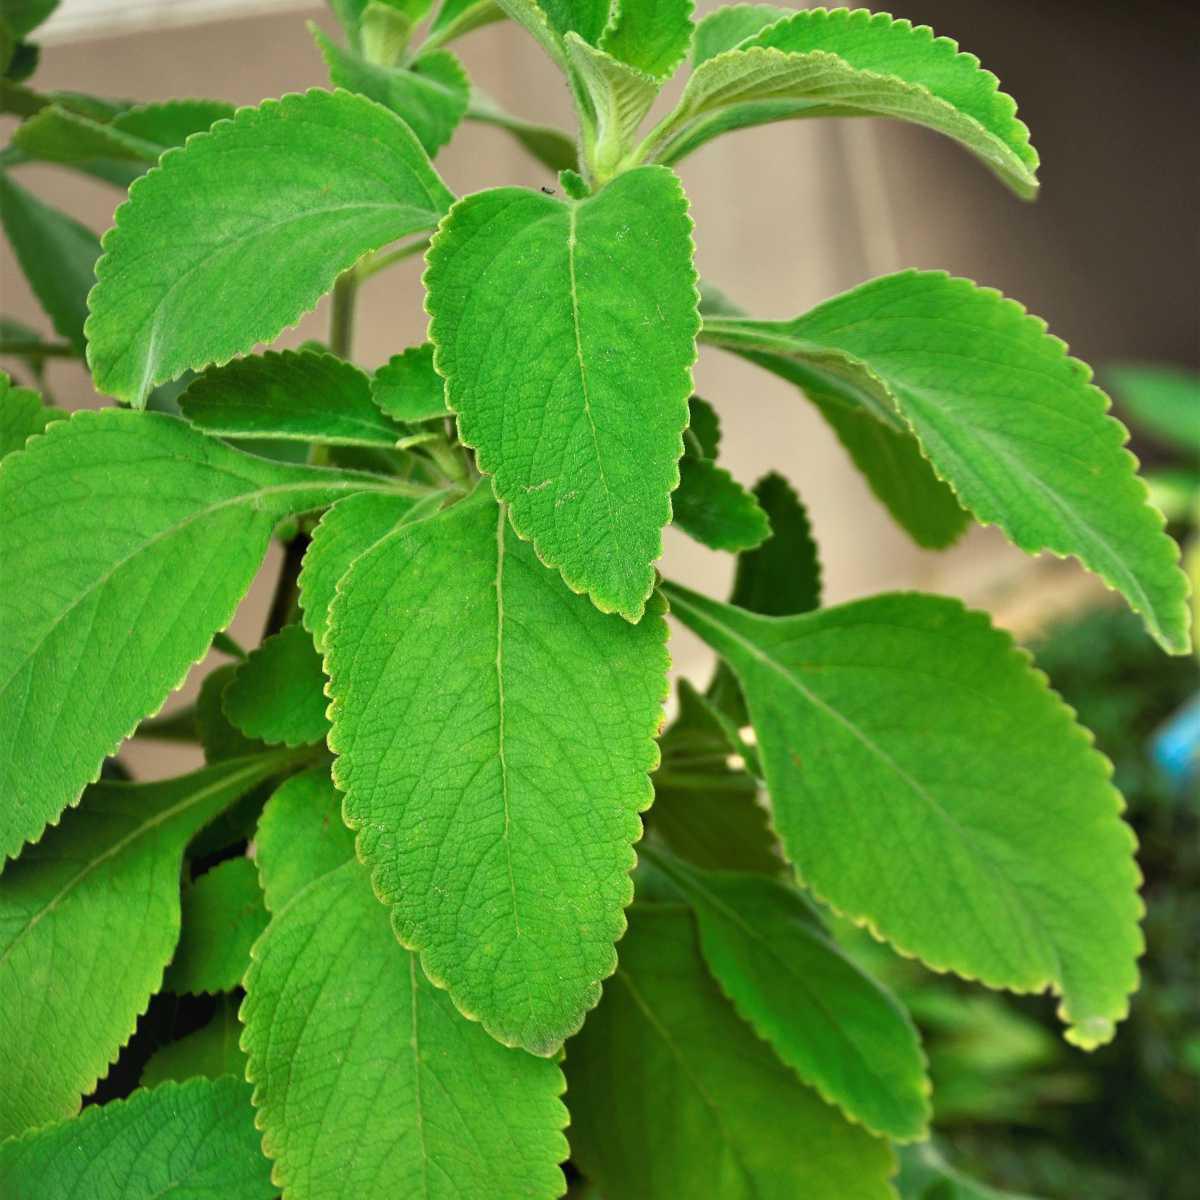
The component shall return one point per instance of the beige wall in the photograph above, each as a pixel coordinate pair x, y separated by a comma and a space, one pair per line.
786, 216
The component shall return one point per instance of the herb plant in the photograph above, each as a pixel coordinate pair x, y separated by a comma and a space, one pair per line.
413, 842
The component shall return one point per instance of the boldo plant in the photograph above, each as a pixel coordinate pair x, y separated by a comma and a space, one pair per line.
407, 870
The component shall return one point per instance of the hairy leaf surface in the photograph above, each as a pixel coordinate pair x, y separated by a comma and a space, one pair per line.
651, 35
407, 387
223, 913
348, 529
22, 414
927, 783
497, 824
1011, 422
195, 1139
57, 254
854, 63
336, 1009
302, 395
834, 1025
727, 26
129, 539
292, 192
88, 920
672, 1095
278, 693
565, 330
430, 96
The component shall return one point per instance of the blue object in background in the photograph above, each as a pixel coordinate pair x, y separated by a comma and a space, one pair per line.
1176, 746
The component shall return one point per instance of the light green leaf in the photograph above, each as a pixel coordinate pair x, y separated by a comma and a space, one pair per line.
672, 1095
711, 506
553, 148
497, 825
840, 1031
294, 191
534, 19
572, 385
585, 18
57, 254
301, 836
128, 540
210, 1052
22, 414
910, 750
348, 529
1165, 401
430, 1103
456, 18
76, 135
195, 1139
613, 99
651, 35
729, 25
88, 920
277, 694
295, 395
223, 914
1005, 416
355, 16
431, 95
854, 63
408, 389
705, 809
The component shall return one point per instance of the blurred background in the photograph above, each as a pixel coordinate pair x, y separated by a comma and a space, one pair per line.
787, 216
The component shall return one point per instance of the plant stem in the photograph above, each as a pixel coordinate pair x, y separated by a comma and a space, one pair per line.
378, 262
285, 601
341, 318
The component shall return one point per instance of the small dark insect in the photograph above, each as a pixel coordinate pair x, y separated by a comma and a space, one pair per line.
549, 191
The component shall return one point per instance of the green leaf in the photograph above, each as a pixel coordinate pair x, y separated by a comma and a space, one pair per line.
553, 148
909, 751
67, 132
294, 191
497, 825
780, 578
1005, 416
705, 809
854, 63
223, 914
879, 444
651, 35
277, 694
613, 99
711, 506
572, 385
840, 1031
1165, 401
430, 1103
219, 738
22, 414
455, 18
672, 1095
88, 920
730, 25
195, 1139
56, 253
24, 16
210, 1052
129, 539
783, 575
295, 395
301, 836
431, 95
348, 529
408, 389
585, 18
